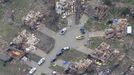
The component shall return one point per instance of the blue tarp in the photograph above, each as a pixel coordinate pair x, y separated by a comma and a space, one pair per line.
65, 62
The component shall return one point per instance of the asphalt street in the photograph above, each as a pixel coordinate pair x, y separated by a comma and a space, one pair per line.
61, 41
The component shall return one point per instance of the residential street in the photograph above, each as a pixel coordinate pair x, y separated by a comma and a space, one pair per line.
66, 40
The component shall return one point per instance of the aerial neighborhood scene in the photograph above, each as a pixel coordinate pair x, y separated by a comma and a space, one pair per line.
66, 37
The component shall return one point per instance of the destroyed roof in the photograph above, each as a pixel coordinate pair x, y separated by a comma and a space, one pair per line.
26, 40
16, 53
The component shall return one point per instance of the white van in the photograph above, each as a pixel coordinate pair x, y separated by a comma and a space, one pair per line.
42, 60
32, 70
129, 29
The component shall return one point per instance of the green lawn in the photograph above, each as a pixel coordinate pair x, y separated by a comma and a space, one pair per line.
72, 55
94, 42
21, 7
1, 12
128, 1
114, 12
93, 25
33, 57
57, 68
13, 69
115, 43
8, 32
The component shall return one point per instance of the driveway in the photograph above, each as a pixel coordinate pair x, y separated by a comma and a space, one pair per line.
66, 40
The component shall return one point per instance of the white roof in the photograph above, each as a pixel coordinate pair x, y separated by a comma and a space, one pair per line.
129, 29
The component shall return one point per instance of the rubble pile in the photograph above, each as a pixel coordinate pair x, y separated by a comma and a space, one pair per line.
117, 30
16, 54
65, 7
83, 64
104, 52
26, 41
79, 67
33, 19
101, 11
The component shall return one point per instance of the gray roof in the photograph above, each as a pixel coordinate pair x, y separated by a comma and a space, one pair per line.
89, 11
4, 57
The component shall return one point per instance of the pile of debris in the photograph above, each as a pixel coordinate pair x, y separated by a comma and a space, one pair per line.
101, 12
25, 41
65, 7
33, 19
83, 64
16, 54
118, 29
104, 52
79, 67
22, 44
98, 12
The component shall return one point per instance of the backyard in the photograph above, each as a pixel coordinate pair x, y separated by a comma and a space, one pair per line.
16, 68
72, 55
34, 57
57, 68
94, 42
93, 25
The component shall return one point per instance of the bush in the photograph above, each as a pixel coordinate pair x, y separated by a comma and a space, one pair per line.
107, 2
125, 11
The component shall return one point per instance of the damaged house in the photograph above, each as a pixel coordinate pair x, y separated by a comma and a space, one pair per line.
22, 44
65, 7
117, 31
33, 19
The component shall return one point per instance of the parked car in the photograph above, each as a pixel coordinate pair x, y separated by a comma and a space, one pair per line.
65, 48
82, 30
79, 37
54, 73
63, 31
53, 59
32, 71
41, 61
59, 53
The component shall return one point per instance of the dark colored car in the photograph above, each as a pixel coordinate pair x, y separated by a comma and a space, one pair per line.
53, 59
59, 53
82, 30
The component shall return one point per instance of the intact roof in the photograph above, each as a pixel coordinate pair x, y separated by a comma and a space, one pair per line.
129, 29
89, 11
4, 57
